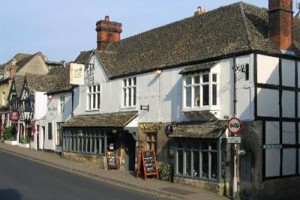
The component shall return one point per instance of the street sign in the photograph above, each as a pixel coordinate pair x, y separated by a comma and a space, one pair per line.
234, 125
234, 140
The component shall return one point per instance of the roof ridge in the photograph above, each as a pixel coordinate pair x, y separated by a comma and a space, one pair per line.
244, 18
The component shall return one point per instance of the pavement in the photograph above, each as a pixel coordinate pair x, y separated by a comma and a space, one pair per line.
118, 178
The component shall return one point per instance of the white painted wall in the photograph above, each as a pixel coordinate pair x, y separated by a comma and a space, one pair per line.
267, 69
54, 115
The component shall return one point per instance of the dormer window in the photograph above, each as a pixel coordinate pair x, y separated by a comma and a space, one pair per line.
200, 90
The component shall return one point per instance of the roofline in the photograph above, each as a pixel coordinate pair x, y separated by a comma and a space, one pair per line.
221, 57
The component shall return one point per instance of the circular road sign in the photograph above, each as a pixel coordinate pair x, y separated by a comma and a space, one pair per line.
234, 125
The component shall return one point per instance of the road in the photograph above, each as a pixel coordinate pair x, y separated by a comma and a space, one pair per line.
22, 179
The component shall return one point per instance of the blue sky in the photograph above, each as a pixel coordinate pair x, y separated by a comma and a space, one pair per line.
60, 29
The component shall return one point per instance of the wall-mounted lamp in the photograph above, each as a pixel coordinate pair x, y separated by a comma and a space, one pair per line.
157, 72
144, 107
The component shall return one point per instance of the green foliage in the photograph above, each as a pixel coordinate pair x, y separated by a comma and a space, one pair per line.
8, 134
166, 171
25, 140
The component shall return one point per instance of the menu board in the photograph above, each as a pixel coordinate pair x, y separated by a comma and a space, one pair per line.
112, 162
148, 163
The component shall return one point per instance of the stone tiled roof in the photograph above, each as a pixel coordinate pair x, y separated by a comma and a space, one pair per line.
228, 30
207, 130
41, 83
83, 57
19, 82
18, 57
117, 120
62, 78
198, 67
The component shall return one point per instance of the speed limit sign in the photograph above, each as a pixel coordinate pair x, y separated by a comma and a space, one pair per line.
234, 125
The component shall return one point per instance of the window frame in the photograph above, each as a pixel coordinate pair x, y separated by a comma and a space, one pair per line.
129, 92
193, 91
185, 153
93, 97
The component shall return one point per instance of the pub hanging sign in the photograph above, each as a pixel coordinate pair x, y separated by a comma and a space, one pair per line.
14, 116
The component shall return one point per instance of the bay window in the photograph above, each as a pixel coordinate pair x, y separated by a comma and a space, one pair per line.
200, 90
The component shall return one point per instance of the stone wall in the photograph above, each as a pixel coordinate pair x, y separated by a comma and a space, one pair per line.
91, 160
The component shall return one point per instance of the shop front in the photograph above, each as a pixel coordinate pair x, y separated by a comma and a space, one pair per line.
90, 138
199, 154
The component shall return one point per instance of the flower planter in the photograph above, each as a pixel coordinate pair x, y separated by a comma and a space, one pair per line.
24, 145
11, 142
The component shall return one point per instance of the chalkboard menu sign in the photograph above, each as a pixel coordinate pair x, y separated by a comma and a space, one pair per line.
112, 162
148, 163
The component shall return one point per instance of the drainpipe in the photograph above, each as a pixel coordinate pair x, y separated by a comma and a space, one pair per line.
234, 187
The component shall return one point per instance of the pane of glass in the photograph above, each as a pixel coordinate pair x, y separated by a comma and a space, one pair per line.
180, 162
129, 82
205, 78
94, 88
129, 97
205, 95
214, 77
98, 88
134, 96
196, 164
188, 80
98, 100
214, 145
134, 81
214, 95
196, 79
214, 165
205, 164
94, 101
124, 83
188, 163
204, 145
197, 96
124, 97
188, 96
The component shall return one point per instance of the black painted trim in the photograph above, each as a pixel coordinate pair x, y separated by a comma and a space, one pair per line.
280, 117
255, 85
263, 151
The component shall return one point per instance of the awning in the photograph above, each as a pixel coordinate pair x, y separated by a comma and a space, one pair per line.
209, 130
198, 67
116, 120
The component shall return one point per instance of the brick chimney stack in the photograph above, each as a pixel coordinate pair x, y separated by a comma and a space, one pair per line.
107, 32
281, 23
12, 68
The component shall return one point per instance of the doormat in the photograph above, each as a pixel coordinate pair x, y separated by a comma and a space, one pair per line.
177, 191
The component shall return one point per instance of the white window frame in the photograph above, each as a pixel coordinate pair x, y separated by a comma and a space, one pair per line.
93, 97
62, 104
193, 85
129, 92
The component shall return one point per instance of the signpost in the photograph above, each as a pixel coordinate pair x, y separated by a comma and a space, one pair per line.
234, 126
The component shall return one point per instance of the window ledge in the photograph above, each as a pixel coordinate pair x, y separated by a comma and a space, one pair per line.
128, 108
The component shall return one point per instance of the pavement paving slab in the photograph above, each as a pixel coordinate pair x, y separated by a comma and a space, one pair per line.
118, 178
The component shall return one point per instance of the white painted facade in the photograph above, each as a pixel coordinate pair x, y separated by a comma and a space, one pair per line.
163, 93
57, 112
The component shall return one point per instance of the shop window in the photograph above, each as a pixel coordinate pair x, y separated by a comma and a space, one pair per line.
88, 141
151, 141
197, 160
